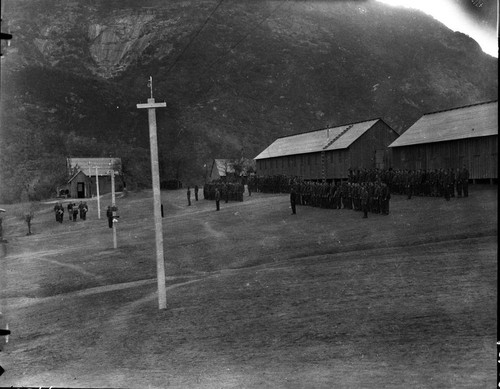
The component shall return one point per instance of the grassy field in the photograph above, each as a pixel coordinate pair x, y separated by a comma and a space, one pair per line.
256, 297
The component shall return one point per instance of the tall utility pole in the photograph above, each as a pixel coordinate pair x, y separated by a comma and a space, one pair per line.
113, 205
155, 171
98, 199
90, 181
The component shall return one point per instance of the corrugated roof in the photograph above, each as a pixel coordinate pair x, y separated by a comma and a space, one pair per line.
459, 123
334, 138
103, 165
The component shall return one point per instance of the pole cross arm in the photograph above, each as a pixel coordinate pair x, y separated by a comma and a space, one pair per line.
151, 105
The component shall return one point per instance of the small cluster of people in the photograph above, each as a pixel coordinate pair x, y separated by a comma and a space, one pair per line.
365, 196
73, 211
228, 191
188, 193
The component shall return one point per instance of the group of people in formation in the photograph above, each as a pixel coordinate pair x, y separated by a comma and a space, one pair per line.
73, 211
437, 183
359, 196
228, 191
433, 182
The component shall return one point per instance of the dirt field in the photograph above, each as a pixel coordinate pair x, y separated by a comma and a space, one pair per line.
256, 297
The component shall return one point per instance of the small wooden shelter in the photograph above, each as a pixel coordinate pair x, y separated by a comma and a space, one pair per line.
84, 172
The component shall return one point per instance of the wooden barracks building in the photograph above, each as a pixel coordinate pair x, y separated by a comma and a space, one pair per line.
329, 153
451, 139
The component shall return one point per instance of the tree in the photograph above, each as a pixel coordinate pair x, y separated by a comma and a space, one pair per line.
29, 215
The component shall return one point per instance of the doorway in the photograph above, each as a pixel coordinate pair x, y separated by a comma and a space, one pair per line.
80, 190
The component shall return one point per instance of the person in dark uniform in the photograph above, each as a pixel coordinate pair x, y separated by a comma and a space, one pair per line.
70, 210
446, 185
109, 215
217, 199
84, 210
225, 192
458, 182
364, 200
385, 196
189, 196
465, 181
80, 209
293, 199
59, 211
196, 189
75, 212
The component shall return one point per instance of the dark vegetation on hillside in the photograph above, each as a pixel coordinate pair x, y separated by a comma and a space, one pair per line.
256, 71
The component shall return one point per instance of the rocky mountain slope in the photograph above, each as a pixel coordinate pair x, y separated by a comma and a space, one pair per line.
235, 75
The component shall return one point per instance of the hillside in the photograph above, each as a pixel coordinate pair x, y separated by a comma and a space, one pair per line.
233, 82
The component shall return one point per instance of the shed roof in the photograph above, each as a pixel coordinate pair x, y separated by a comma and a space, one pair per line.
327, 139
103, 165
471, 121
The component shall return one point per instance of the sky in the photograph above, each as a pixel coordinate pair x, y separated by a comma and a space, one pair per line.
475, 18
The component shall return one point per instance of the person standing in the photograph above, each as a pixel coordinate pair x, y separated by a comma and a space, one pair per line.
59, 211
446, 185
364, 200
385, 196
189, 196
458, 182
70, 210
465, 181
225, 191
80, 209
293, 199
196, 192
217, 199
109, 215
84, 210
75, 212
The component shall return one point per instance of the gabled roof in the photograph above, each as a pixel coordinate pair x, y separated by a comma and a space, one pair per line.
76, 175
471, 121
103, 165
327, 139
